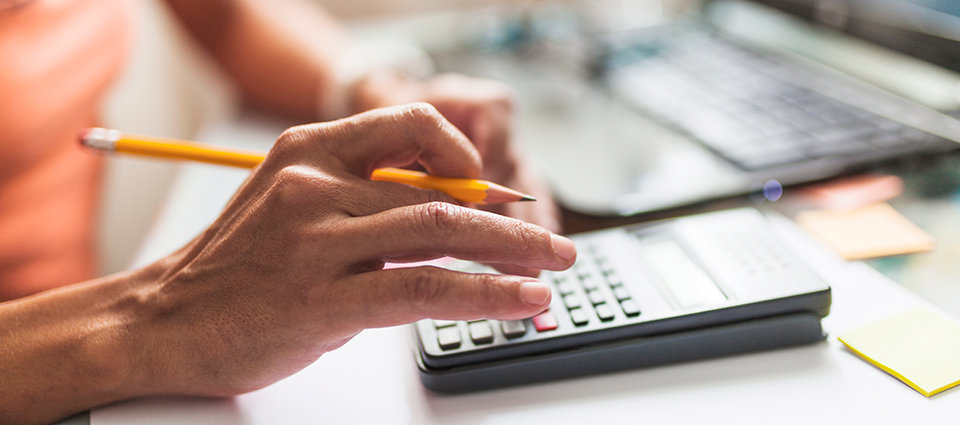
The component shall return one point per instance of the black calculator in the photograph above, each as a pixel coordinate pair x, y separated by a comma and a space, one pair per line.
669, 291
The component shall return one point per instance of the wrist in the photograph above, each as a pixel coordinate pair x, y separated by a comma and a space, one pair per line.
77, 347
147, 352
384, 88
356, 65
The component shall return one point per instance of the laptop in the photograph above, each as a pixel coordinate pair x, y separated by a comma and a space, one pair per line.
735, 97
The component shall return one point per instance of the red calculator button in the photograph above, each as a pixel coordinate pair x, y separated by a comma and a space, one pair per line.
545, 321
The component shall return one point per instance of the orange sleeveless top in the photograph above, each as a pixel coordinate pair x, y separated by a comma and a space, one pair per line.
57, 58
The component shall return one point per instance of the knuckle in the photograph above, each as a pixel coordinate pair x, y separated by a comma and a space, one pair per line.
292, 139
532, 239
425, 287
440, 219
488, 292
422, 115
296, 143
294, 184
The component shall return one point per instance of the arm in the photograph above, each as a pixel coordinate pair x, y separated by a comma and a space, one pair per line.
281, 53
293, 268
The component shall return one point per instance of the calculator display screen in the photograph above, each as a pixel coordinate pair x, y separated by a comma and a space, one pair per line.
689, 285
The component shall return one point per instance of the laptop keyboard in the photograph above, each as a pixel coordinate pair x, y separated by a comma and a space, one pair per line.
750, 108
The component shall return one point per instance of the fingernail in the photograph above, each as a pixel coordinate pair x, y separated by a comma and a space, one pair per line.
535, 292
563, 247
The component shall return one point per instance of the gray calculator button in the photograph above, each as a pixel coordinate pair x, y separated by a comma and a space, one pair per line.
481, 332
566, 288
596, 297
572, 301
444, 323
621, 293
590, 283
630, 308
449, 338
579, 317
604, 312
513, 328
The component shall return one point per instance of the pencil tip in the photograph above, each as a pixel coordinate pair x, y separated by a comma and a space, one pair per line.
527, 198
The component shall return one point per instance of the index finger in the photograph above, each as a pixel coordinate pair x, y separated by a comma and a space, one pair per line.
389, 137
437, 229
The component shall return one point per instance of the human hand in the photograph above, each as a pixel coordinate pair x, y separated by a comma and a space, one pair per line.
293, 267
483, 110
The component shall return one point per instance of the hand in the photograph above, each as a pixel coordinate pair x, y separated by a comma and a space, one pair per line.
483, 111
293, 267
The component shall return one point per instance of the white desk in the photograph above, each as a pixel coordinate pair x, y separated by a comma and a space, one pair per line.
373, 379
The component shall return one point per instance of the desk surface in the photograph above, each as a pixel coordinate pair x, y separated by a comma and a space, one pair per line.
373, 379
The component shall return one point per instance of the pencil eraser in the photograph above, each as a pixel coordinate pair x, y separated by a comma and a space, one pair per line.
82, 136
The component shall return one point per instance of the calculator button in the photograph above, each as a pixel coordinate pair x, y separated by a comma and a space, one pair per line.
449, 338
621, 293
604, 312
614, 280
590, 283
604, 264
513, 328
545, 321
596, 297
444, 323
572, 301
630, 308
481, 332
566, 288
579, 317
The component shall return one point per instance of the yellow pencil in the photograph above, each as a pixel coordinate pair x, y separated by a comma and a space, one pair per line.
467, 190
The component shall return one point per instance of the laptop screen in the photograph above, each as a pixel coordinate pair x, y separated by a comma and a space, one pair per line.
927, 29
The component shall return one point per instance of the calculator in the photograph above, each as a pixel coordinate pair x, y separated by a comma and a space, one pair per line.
668, 291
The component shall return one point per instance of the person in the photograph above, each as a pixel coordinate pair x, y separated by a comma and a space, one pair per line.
294, 265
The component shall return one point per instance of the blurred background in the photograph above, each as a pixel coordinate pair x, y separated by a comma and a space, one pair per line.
188, 96
585, 69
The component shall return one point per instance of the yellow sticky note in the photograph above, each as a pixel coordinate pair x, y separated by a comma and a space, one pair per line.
920, 348
877, 230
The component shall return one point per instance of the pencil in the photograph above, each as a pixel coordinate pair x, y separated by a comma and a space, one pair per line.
466, 190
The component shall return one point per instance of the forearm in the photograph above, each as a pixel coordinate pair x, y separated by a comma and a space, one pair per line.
280, 52
71, 349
